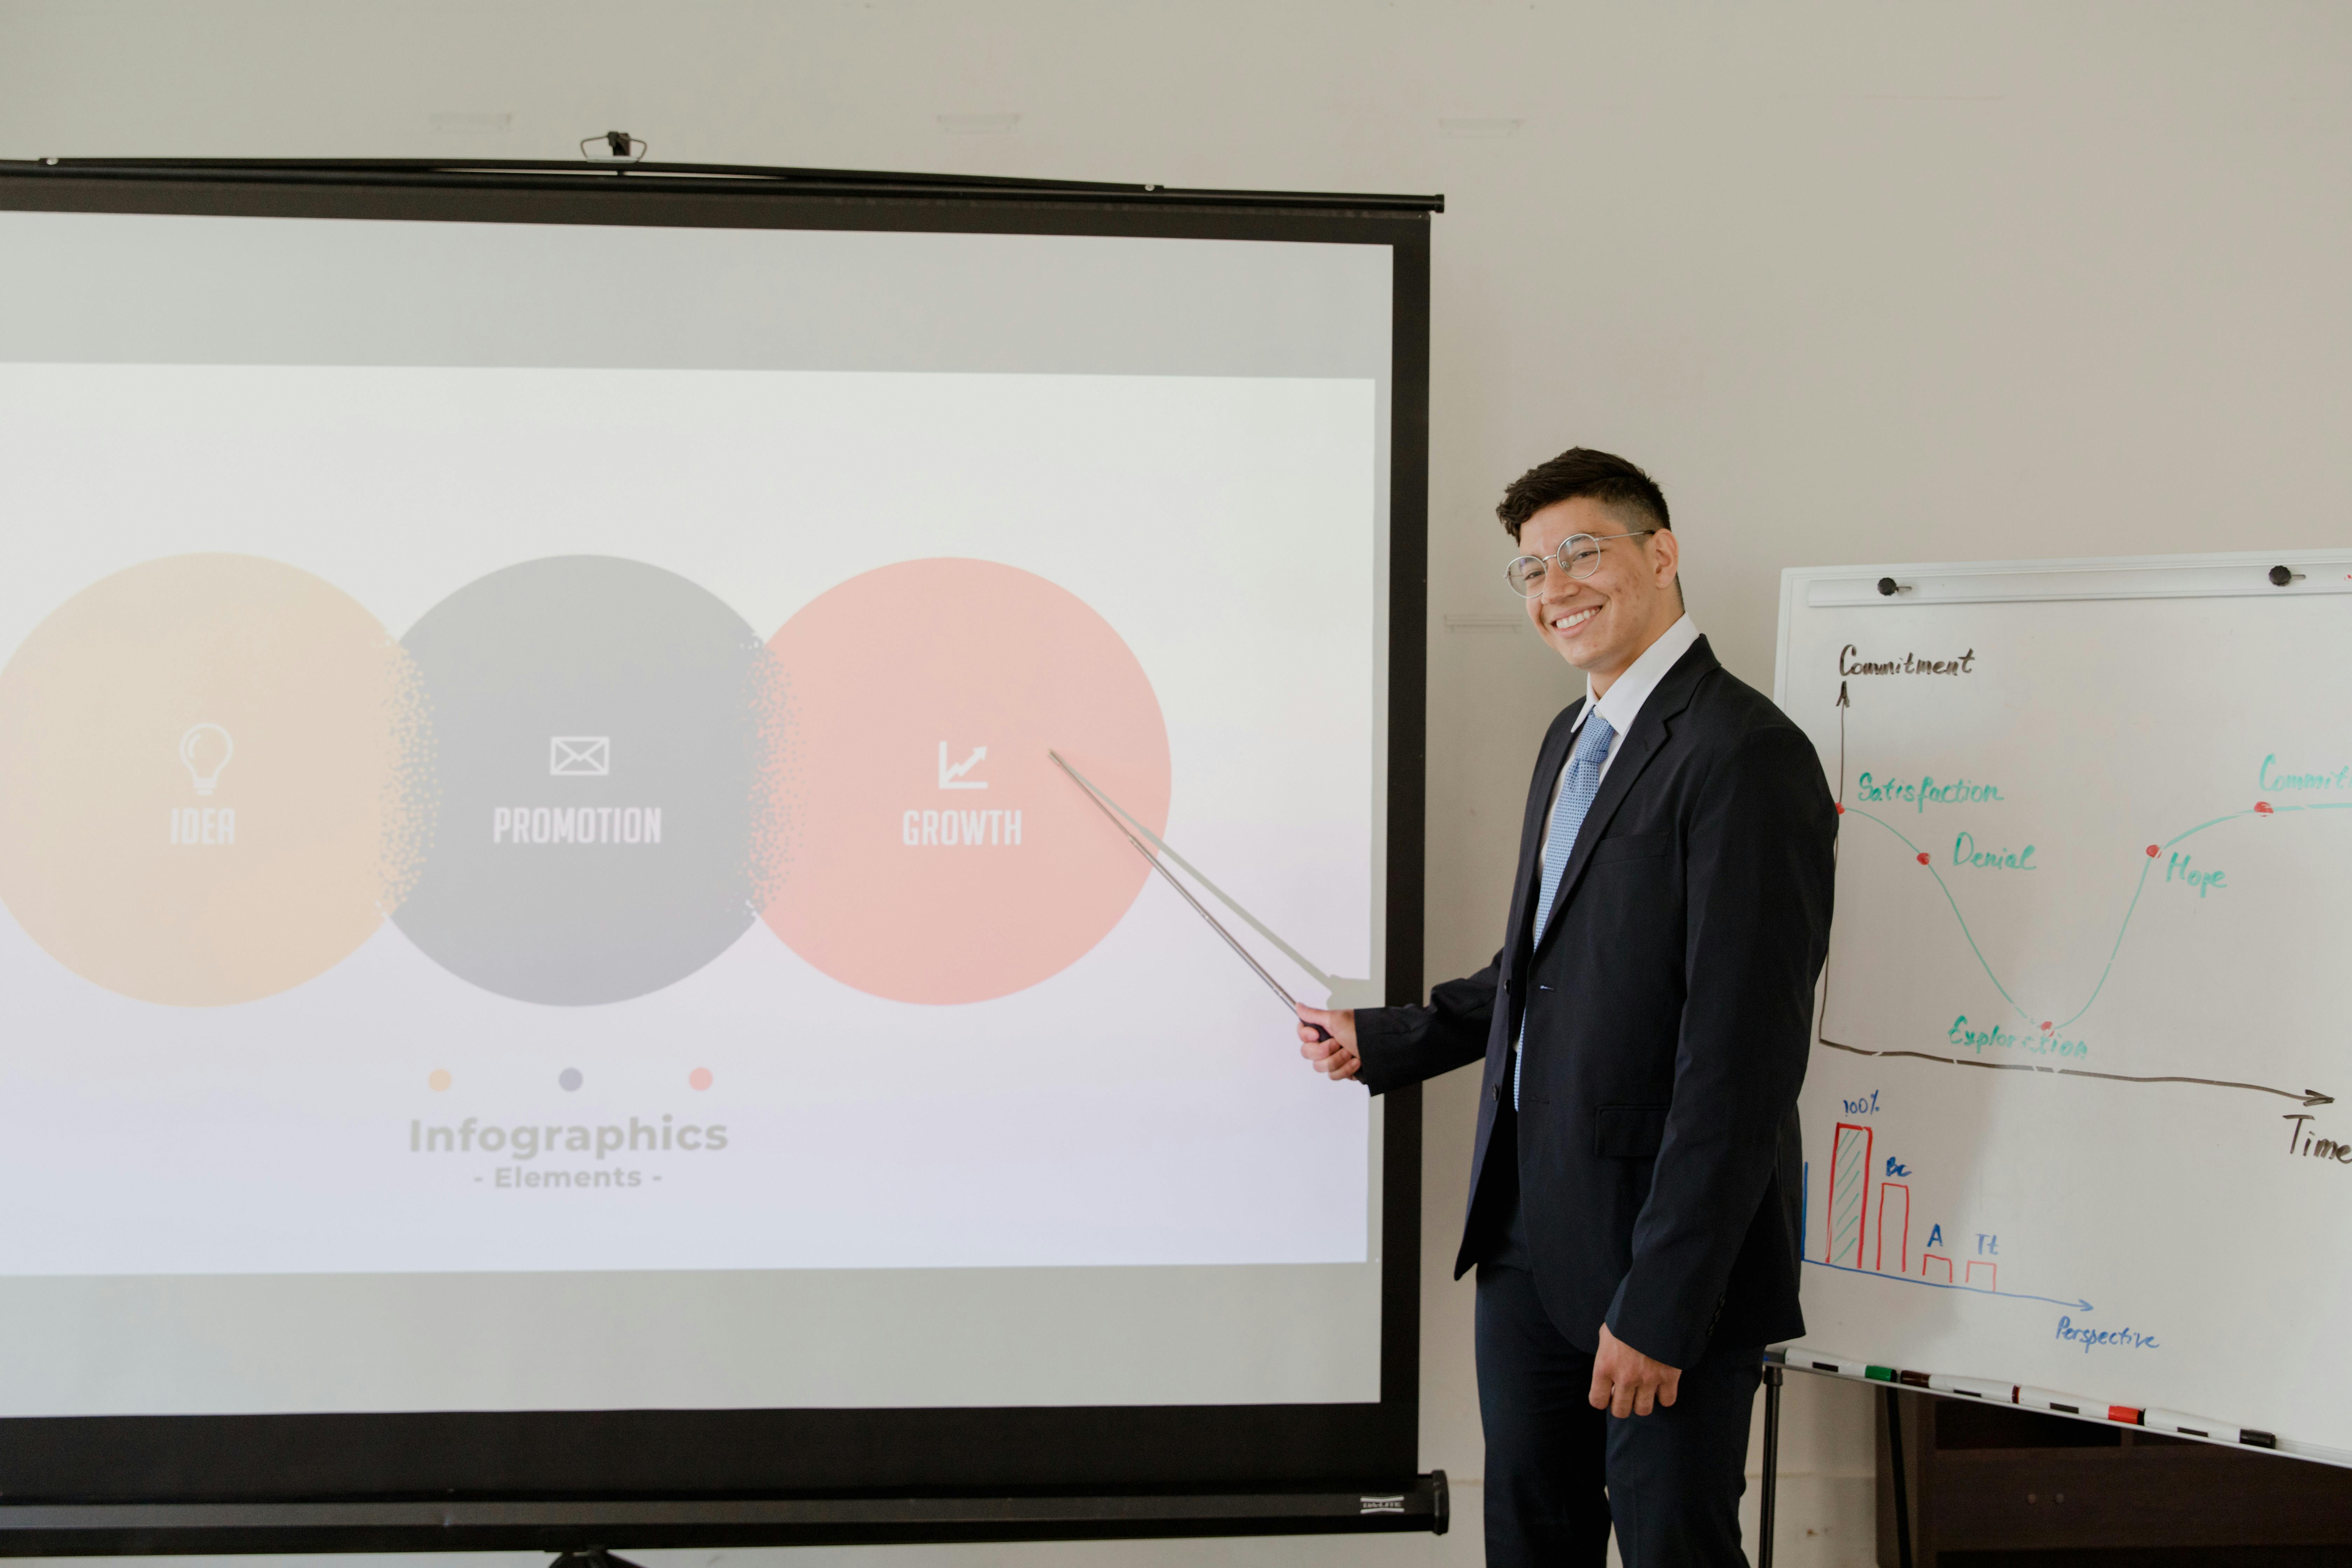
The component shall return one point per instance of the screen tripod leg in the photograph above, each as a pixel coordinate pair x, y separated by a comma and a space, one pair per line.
590, 1557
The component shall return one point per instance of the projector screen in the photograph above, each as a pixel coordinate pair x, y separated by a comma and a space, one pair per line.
534, 882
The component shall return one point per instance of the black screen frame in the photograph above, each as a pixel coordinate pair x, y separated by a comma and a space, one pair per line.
559, 1481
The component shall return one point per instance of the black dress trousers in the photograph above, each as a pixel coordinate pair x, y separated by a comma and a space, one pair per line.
1559, 1472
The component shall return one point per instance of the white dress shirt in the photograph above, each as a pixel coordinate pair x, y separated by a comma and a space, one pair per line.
1622, 704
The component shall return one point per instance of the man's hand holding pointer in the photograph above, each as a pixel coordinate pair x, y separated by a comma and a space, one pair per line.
1335, 1054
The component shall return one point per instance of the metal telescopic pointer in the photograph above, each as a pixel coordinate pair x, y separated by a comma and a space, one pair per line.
1186, 894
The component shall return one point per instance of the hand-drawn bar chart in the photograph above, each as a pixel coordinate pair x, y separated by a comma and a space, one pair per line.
1868, 1224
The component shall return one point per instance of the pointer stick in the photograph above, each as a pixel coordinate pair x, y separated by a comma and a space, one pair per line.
1259, 969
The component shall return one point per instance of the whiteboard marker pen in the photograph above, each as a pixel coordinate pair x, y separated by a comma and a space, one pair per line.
1822, 1361
1975, 1388
2199, 1426
2050, 1399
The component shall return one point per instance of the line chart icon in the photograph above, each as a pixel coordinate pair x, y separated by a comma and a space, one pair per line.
951, 777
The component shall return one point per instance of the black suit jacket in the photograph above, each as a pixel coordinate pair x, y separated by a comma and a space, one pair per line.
1669, 1008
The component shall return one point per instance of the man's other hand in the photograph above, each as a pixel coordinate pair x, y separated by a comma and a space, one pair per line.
1336, 1056
1627, 1383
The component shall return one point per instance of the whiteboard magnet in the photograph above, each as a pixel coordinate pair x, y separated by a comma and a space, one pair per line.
2188, 1426
2280, 576
612, 147
1822, 1361
1975, 1388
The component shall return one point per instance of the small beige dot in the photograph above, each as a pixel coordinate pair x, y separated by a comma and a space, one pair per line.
440, 1080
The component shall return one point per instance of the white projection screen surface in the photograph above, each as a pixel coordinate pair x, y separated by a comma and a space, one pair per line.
533, 891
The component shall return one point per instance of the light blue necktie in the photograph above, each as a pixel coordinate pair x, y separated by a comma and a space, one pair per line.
1576, 792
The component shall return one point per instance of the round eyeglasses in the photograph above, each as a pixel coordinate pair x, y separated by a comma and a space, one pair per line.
1578, 555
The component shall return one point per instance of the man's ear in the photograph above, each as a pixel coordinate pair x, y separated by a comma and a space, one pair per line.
1665, 557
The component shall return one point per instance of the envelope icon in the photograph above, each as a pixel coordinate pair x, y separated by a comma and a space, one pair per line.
580, 756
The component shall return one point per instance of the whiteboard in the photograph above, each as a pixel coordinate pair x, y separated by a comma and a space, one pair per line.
2078, 1125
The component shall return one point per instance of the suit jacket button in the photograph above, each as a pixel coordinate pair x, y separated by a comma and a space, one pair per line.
1496, 1093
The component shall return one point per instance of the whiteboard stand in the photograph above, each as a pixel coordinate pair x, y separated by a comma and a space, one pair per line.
1901, 1487
1772, 1479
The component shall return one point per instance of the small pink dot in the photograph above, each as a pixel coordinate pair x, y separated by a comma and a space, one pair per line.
2154, 850
699, 1077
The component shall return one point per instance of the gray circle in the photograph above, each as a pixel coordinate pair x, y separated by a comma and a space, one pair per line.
569, 1079
599, 747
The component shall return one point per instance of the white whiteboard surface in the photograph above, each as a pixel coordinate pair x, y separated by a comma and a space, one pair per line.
2068, 1123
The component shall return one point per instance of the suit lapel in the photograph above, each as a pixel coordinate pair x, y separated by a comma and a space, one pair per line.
1548, 765
1649, 733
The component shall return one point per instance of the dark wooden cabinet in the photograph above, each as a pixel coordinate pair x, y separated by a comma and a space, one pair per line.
1991, 1485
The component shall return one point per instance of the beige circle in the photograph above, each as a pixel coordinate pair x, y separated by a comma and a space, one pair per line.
207, 779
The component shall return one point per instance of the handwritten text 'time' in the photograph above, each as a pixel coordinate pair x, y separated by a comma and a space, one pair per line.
2313, 1146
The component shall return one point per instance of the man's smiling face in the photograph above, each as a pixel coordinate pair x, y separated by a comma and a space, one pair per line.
1600, 624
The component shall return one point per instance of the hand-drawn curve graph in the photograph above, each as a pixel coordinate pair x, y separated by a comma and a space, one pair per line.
2260, 811
2073, 1118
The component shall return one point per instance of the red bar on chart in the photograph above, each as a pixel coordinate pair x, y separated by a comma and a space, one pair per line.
1849, 1198
1893, 1215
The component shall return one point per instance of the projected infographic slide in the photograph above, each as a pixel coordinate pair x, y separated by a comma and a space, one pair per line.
2076, 1087
551, 853
411, 781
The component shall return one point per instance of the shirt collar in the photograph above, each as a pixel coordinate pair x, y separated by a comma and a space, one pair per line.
1630, 690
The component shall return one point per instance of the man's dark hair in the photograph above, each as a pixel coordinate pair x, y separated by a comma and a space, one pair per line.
1582, 471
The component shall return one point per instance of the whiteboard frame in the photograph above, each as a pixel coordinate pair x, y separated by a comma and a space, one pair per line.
2243, 574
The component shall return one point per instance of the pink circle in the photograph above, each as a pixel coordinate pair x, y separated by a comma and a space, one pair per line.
911, 688
698, 1079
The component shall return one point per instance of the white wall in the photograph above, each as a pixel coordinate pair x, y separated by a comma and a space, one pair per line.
1856, 281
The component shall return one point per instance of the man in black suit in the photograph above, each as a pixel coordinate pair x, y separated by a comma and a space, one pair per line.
1635, 1196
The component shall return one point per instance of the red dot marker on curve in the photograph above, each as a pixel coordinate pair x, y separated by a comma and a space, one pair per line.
2045, 1026
1841, 808
2154, 850
1923, 858
2263, 808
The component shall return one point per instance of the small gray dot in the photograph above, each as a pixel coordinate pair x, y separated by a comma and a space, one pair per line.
569, 1078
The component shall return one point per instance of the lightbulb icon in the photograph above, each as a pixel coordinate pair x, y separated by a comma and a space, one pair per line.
204, 751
